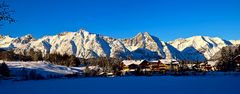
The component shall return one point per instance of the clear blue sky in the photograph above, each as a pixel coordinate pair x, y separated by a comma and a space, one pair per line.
166, 19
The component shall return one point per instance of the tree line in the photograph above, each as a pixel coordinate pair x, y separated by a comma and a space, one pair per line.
31, 55
107, 65
4, 70
60, 59
227, 59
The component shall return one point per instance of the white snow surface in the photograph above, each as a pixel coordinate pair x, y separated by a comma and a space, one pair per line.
129, 62
199, 47
235, 41
42, 67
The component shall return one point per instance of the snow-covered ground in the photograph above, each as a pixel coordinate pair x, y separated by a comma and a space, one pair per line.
127, 85
42, 67
212, 83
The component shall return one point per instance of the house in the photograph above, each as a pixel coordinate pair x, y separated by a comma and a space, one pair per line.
213, 64
205, 67
191, 65
145, 66
150, 66
157, 66
132, 65
171, 64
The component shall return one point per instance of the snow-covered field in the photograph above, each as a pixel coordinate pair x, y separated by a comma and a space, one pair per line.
127, 85
41, 67
212, 83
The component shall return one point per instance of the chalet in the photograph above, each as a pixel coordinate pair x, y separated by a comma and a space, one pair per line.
132, 65
145, 66
171, 64
205, 67
213, 64
191, 65
157, 66
153, 66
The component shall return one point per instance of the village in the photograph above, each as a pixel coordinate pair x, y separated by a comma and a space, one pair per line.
70, 66
127, 67
161, 67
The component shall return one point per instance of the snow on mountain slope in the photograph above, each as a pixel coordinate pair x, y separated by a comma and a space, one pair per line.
20, 43
117, 48
143, 46
87, 45
199, 47
235, 42
5, 41
82, 44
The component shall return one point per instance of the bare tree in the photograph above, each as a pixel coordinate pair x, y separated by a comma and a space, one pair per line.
5, 13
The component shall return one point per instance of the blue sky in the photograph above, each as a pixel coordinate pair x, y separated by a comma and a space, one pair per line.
166, 19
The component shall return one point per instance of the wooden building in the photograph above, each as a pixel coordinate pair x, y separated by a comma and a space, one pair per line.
132, 65
172, 64
161, 65
213, 64
205, 67
157, 66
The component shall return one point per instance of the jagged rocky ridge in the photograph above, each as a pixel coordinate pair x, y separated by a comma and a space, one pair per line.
143, 46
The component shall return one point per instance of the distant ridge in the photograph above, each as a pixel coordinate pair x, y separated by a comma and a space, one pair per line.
84, 44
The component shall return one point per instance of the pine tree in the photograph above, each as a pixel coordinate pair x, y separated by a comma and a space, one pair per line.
74, 61
223, 55
237, 51
4, 70
227, 59
230, 62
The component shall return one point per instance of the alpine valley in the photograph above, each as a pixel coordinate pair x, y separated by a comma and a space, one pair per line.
142, 46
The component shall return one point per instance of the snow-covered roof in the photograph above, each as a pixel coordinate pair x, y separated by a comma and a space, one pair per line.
202, 64
212, 63
168, 61
137, 62
129, 62
153, 61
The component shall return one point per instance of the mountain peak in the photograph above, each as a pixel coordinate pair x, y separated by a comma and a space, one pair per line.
146, 33
143, 34
85, 44
203, 37
83, 30
197, 37
27, 37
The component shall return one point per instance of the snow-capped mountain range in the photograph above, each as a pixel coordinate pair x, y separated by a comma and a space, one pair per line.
142, 46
